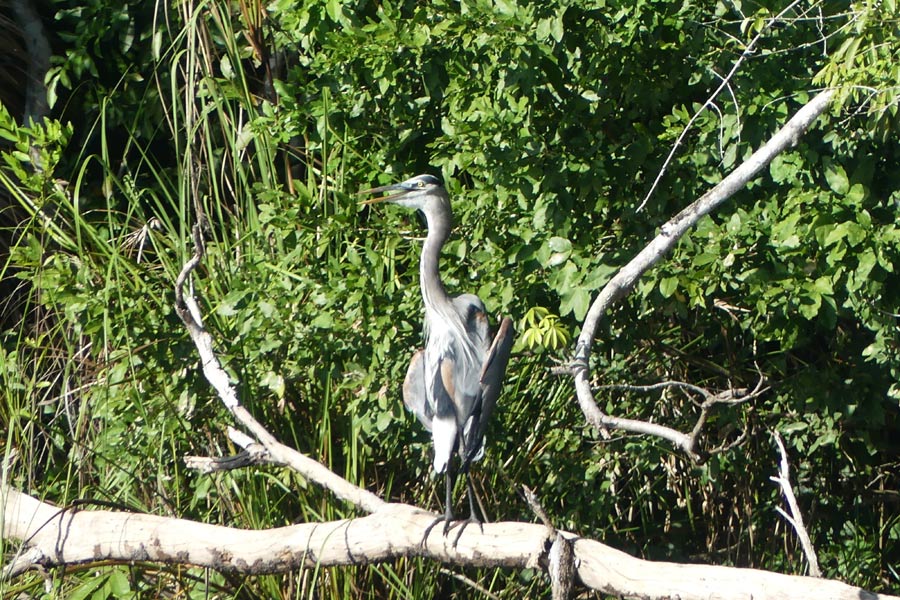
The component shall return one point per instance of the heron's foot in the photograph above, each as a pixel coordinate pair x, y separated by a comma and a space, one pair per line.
446, 519
465, 523
473, 513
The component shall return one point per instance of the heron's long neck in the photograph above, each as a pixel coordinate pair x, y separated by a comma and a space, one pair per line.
433, 292
439, 307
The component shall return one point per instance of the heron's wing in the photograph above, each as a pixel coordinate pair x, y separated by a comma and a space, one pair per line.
498, 354
491, 382
414, 396
468, 361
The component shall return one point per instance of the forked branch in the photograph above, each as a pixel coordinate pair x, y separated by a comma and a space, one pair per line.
672, 231
688, 443
796, 517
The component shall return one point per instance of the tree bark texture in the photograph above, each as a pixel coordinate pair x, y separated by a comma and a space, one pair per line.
55, 536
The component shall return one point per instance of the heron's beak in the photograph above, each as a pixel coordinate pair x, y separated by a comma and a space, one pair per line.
394, 187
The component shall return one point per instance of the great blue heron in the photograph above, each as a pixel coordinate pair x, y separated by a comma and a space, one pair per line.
452, 385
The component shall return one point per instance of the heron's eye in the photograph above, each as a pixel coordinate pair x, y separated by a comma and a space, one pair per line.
421, 184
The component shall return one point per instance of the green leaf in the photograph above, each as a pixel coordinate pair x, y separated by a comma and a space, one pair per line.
334, 10
383, 421
274, 382
667, 286
533, 316
836, 178
228, 306
118, 584
866, 261
794, 427
87, 588
856, 194
323, 320
836, 233
559, 244
810, 301
576, 301
561, 248
531, 337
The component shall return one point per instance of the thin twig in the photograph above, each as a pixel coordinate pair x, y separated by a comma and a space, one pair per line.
795, 518
748, 51
722, 448
535, 505
656, 386
471, 583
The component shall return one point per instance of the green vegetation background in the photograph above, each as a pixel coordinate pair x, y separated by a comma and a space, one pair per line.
549, 123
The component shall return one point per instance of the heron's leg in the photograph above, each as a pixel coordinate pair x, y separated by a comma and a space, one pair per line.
448, 501
470, 492
473, 513
448, 507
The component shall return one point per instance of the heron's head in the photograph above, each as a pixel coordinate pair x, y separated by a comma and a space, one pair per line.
422, 192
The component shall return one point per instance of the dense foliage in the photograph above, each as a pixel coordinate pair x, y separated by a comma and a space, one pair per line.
549, 124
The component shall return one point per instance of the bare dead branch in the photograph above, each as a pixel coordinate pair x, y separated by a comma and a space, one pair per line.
254, 454
212, 464
29, 558
58, 537
560, 558
561, 370
681, 441
722, 448
660, 385
535, 505
795, 518
689, 443
672, 231
275, 452
729, 396
562, 567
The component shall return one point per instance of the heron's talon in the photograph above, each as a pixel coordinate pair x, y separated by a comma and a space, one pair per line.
446, 519
462, 527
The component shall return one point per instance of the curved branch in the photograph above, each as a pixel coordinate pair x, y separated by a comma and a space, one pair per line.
275, 452
672, 231
56, 537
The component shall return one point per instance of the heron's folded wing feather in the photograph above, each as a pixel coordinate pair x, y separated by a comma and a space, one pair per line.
414, 390
492, 373
498, 354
